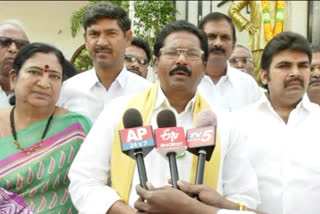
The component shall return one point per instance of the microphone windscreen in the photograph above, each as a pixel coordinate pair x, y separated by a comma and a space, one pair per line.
206, 118
132, 118
166, 118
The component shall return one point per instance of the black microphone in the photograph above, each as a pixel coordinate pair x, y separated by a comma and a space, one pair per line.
170, 141
201, 140
136, 141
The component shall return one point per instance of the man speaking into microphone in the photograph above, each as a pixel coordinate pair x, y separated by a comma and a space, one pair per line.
103, 179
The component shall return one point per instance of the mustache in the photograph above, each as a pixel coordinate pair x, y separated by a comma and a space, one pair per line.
288, 81
214, 49
180, 68
103, 48
314, 79
136, 71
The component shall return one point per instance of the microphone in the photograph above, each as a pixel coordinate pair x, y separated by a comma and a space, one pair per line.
136, 141
201, 140
170, 141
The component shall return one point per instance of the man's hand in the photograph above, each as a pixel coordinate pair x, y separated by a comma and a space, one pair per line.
170, 201
251, 28
120, 207
206, 194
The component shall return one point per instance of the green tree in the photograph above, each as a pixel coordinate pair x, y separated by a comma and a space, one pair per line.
150, 17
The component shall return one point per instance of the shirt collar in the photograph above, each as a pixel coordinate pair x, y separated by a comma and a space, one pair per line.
163, 103
303, 104
92, 78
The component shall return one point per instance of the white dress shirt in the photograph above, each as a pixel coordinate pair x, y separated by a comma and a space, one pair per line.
90, 171
233, 91
285, 155
85, 94
3, 99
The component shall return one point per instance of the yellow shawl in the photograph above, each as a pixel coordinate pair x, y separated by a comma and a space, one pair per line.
122, 166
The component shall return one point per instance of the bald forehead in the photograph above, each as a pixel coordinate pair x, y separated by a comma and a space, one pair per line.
241, 52
13, 31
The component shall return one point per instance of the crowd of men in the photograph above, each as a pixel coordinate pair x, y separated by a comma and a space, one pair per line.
268, 145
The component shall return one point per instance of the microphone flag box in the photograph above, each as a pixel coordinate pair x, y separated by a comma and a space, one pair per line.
204, 137
136, 138
170, 139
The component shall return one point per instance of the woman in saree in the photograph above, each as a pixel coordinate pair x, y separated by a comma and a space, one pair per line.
38, 140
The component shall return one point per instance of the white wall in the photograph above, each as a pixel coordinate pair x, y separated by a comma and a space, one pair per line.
46, 21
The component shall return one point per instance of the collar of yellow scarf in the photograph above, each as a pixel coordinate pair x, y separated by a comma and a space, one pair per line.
122, 166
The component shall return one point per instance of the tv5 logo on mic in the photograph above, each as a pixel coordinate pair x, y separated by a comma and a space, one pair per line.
203, 137
136, 138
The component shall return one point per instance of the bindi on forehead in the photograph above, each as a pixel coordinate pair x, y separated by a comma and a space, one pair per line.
46, 68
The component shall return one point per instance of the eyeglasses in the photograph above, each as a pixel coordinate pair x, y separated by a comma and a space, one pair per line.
174, 53
245, 60
314, 67
5, 42
130, 58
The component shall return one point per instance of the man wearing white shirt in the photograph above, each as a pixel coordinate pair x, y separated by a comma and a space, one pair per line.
181, 51
224, 85
278, 133
12, 38
107, 35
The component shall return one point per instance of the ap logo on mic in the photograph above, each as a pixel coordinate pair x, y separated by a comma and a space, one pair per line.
138, 137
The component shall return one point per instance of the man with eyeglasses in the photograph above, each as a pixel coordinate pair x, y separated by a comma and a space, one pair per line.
223, 85
279, 134
12, 39
314, 85
241, 58
103, 179
138, 56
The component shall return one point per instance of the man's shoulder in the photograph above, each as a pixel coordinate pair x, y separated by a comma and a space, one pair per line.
137, 80
79, 78
240, 76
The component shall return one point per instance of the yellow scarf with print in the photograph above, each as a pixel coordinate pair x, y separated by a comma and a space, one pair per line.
122, 166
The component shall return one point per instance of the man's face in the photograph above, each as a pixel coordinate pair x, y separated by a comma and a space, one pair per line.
288, 77
136, 60
314, 85
180, 66
241, 59
106, 43
9, 50
220, 40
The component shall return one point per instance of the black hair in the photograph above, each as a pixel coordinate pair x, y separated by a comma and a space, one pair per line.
181, 25
143, 44
284, 41
216, 16
29, 50
69, 70
106, 10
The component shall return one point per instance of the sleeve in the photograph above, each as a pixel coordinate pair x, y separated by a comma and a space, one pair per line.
234, 12
90, 171
239, 179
